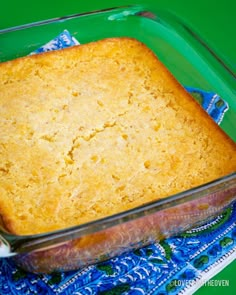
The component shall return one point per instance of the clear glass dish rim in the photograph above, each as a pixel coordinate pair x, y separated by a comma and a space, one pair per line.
70, 16
138, 9
27, 243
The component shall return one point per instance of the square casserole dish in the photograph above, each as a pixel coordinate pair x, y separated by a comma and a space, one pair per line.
193, 63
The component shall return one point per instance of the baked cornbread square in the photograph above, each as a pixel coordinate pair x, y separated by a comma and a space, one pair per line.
96, 129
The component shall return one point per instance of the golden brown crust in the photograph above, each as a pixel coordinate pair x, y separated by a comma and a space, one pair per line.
97, 129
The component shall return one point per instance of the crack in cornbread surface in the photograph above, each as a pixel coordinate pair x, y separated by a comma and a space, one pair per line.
97, 129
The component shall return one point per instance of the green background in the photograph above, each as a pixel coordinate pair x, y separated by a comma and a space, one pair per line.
213, 20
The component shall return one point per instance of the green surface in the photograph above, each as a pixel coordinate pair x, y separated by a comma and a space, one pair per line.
214, 21
226, 277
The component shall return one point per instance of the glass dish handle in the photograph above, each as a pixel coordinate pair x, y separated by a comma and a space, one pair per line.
5, 248
170, 20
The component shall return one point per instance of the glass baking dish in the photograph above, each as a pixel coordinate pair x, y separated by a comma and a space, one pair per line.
193, 63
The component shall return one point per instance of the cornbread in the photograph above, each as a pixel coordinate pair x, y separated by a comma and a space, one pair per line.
96, 129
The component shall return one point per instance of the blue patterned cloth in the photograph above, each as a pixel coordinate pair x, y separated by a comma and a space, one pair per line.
177, 265
63, 40
212, 103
